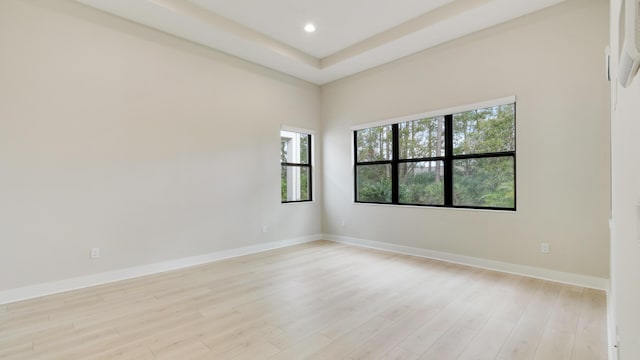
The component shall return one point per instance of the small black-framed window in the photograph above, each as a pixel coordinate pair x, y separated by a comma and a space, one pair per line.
295, 166
460, 159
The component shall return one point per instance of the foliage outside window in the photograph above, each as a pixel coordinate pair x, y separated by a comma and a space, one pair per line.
464, 159
295, 163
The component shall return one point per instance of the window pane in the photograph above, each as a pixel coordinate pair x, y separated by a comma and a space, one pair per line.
294, 147
421, 182
374, 144
484, 130
373, 183
422, 138
295, 183
484, 182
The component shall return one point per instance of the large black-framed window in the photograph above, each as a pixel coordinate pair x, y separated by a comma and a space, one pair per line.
296, 167
461, 159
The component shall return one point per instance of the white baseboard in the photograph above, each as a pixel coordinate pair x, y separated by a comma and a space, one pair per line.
34, 291
612, 336
524, 270
612, 328
38, 290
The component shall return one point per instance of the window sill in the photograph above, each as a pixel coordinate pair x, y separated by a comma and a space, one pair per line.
298, 202
426, 207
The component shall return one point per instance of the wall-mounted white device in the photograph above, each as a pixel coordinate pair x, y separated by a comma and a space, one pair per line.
630, 55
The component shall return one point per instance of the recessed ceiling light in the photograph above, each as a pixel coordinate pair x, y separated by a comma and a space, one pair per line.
309, 28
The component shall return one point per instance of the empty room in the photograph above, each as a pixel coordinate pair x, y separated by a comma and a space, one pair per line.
408, 179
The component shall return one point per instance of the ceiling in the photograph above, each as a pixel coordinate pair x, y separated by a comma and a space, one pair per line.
351, 36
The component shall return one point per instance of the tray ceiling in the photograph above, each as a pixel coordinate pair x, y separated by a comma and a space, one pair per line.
351, 36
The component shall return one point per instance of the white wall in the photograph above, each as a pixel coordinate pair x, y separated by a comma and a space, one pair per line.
116, 136
625, 241
553, 62
151, 148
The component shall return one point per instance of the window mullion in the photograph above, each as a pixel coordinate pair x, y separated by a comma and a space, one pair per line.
355, 166
309, 157
395, 198
448, 160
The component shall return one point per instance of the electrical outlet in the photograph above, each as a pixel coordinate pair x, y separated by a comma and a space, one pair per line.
544, 248
95, 253
343, 223
265, 228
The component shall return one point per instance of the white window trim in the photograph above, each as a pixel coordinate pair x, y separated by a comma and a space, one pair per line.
439, 112
314, 139
297, 129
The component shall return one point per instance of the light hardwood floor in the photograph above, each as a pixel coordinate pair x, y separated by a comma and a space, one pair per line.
320, 300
